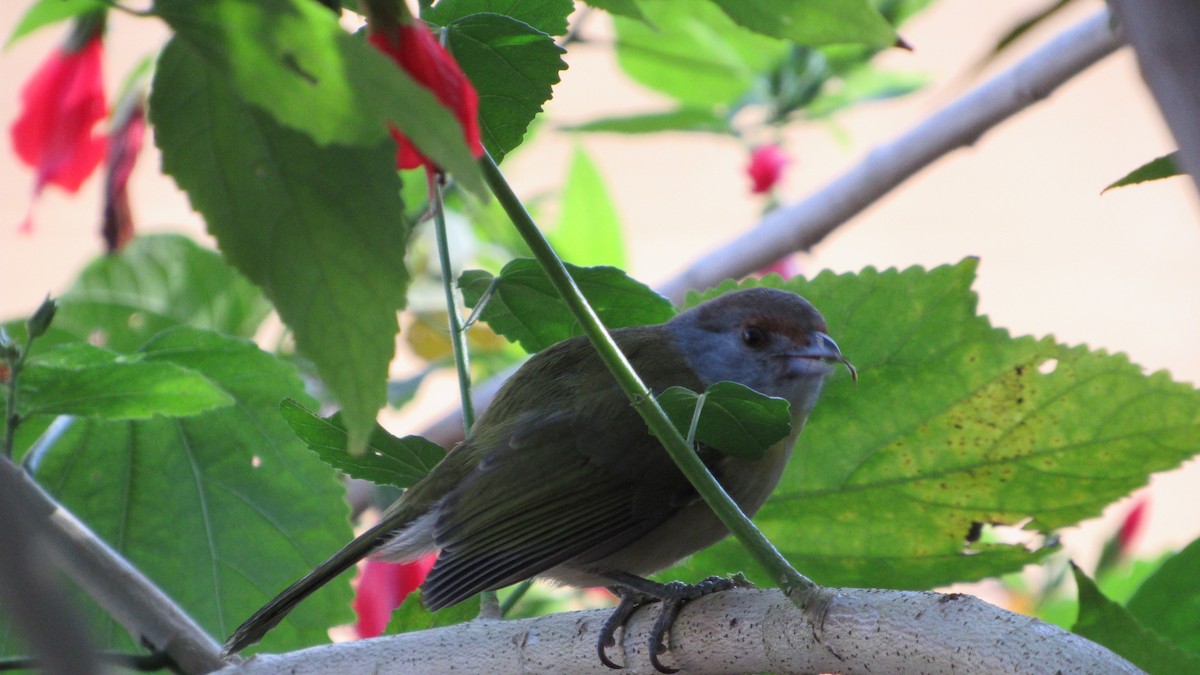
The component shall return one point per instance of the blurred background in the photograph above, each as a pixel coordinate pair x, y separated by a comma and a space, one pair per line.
1117, 272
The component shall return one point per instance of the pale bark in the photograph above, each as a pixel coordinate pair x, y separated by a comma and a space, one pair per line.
743, 631
1166, 36
140, 606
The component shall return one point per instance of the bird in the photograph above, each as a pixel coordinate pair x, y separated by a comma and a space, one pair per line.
560, 478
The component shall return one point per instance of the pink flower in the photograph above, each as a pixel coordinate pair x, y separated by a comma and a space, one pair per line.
786, 267
420, 54
766, 167
381, 589
1132, 526
61, 104
124, 143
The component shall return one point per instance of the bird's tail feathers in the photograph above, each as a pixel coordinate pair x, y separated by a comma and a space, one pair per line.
262, 621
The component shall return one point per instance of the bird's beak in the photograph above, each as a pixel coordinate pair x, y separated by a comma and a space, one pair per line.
822, 348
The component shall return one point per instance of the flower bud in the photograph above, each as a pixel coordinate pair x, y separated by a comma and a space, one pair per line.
40, 321
766, 167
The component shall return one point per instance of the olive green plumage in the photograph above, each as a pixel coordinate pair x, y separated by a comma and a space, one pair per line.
561, 478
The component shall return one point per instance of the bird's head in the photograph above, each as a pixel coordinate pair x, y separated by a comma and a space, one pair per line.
770, 340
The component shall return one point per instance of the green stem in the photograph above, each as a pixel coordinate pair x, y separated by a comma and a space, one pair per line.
643, 401
513, 598
489, 603
457, 335
15, 358
10, 411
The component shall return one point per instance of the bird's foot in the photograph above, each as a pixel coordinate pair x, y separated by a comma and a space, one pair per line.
630, 601
635, 591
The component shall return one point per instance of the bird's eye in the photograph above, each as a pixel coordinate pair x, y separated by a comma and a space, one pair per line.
753, 337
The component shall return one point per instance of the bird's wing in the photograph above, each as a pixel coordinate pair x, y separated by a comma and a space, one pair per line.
549, 489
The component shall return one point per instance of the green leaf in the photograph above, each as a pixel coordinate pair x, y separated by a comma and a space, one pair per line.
627, 8
293, 60
1156, 169
547, 16
691, 51
67, 351
525, 308
319, 228
411, 615
1122, 581
46, 12
900, 11
862, 85
513, 68
117, 391
1105, 622
589, 229
159, 281
813, 22
734, 419
156, 282
223, 509
683, 119
388, 460
954, 422
1169, 601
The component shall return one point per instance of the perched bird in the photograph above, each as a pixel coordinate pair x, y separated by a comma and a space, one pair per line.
560, 478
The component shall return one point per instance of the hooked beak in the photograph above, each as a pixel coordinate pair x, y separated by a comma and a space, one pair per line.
823, 349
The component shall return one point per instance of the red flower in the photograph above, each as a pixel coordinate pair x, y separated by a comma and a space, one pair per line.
420, 54
55, 132
124, 143
1131, 526
381, 589
766, 167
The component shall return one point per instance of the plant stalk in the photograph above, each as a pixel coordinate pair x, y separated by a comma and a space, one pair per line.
458, 338
489, 606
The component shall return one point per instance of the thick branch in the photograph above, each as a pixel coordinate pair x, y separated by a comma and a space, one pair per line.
864, 631
30, 591
1166, 36
152, 618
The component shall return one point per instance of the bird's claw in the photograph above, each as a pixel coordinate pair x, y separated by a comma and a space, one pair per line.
630, 601
658, 635
673, 597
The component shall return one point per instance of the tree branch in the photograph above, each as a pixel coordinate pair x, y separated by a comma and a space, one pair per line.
30, 591
875, 631
150, 616
1166, 36
804, 224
